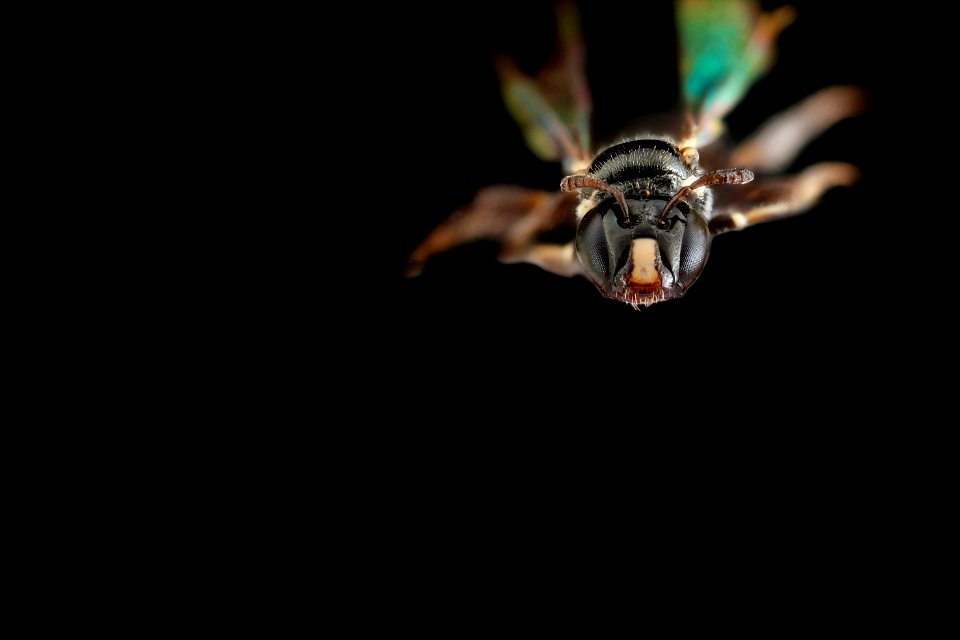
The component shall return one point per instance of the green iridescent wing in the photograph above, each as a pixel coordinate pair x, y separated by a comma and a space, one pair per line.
726, 46
553, 109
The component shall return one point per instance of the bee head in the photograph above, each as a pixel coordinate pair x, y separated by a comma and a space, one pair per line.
646, 254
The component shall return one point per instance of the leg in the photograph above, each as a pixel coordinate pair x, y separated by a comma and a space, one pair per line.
778, 141
558, 259
513, 216
781, 197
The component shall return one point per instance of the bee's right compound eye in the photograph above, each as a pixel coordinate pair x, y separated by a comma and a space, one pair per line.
593, 248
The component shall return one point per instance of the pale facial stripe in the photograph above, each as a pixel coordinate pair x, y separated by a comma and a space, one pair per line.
643, 254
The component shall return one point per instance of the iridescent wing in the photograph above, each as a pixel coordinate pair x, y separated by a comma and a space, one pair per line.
725, 47
553, 110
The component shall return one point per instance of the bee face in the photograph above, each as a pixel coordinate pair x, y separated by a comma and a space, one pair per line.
636, 258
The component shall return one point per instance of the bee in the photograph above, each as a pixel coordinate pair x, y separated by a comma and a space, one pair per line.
645, 209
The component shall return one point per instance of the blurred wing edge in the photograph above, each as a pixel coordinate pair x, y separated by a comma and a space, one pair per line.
553, 108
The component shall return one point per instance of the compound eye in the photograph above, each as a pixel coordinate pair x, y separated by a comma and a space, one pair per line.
696, 249
593, 248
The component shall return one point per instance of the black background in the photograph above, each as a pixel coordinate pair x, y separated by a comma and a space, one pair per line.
793, 359
773, 367
765, 380
812, 298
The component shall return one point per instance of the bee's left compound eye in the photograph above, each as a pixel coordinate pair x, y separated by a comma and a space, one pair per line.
695, 247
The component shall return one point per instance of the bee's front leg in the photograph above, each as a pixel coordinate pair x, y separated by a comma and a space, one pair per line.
781, 197
780, 139
559, 259
513, 216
